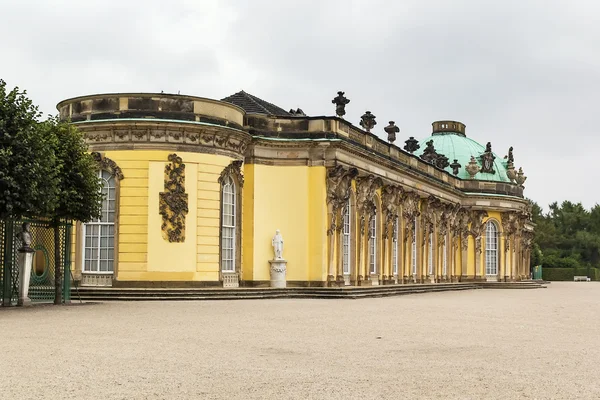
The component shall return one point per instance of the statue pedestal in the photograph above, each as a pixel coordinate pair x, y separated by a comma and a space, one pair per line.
25, 264
278, 271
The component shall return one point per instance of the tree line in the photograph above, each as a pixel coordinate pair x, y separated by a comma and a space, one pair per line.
46, 171
567, 236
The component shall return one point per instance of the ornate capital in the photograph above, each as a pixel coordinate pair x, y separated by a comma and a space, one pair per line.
234, 170
108, 165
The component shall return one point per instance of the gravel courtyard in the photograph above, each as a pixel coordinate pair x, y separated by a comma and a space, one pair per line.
493, 344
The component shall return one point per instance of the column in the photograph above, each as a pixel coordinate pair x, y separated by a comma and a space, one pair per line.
464, 259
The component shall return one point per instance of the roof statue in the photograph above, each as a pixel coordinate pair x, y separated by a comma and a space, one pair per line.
340, 104
391, 130
367, 121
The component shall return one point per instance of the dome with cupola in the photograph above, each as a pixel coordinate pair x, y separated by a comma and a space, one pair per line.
450, 149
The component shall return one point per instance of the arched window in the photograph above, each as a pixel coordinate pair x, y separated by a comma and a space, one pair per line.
491, 248
373, 245
346, 251
395, 248
228, 225
430, 255
414, 247
99, 235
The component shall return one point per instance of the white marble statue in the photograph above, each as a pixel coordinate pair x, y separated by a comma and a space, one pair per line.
277, 243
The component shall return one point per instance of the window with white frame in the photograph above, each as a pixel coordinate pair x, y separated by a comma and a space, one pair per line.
491, 248
430, 254
346, 240
414, 247
373, 245
395, 248
445, 257
228, 225
99, 235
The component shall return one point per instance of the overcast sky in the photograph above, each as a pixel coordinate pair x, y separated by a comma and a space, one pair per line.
520, 73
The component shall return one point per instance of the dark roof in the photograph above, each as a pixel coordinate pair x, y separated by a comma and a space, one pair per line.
253, 105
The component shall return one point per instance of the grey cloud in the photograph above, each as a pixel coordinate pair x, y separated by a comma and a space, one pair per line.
520, 73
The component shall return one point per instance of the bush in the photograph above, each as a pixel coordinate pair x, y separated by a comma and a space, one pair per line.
558, 274
553, 261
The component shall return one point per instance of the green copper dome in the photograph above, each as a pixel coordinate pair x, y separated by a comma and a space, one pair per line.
450, 140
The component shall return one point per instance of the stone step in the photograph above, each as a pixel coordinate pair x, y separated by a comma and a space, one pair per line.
138, 294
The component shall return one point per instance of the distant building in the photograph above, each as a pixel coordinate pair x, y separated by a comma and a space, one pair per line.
196, 188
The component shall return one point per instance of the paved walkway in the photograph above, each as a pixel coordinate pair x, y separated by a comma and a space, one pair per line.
492, 344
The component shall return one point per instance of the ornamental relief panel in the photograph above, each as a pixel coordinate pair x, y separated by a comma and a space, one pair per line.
410, 211
173, 202
231, 140
391, 197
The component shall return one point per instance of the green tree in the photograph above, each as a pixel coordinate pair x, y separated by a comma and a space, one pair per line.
27, 163
78, 187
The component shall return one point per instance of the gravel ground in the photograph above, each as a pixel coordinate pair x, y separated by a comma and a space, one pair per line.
493, 344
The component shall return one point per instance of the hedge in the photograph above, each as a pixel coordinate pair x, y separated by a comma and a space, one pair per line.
567, 274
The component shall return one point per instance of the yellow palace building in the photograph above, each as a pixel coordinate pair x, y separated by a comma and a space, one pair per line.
195, 190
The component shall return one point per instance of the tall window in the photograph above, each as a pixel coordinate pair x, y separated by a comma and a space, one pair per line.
228, 224
491, 248
372, 244
430, 255
414, 247
99, 244
445, 257
395, 248
346, 240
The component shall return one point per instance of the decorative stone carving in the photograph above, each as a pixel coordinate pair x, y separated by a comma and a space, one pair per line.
412, 145
108, 165
339, 187
509, 227
366, 186
487, 160
234, 170
527, 240
410, 211
25, 263
431, 156
510, 157
510, 171
472, 168
521, 178
340, 104
390, 198
455, 167
173, 202
391, 130
367, 121
477, 227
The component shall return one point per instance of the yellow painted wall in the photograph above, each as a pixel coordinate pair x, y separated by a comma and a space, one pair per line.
291, 199
143, 254
248, 223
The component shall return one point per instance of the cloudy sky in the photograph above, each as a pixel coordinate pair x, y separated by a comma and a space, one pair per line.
522, 73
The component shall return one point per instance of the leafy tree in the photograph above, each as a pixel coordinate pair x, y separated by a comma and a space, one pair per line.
27, 163
78, 186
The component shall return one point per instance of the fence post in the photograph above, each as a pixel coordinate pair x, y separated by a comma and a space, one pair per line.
67, 264
7, 261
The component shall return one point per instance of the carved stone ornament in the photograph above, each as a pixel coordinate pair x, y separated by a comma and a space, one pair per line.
455, 167
391, 130
234, 170
510, 171
510, 158
509, 227
366, 186
390, 199
340, 104
521, 178
472, 168
173, 202
487, 160
431, 156
339, 188
410, 211
108, 165
411, 145
367, 121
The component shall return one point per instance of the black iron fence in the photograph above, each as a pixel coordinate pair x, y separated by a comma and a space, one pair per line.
41, 285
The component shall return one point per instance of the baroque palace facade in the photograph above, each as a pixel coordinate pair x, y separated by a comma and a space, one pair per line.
196, 188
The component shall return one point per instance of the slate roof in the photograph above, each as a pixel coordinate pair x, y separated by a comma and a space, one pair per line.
254, 105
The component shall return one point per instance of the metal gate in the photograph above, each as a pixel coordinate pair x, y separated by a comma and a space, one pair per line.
41, 286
